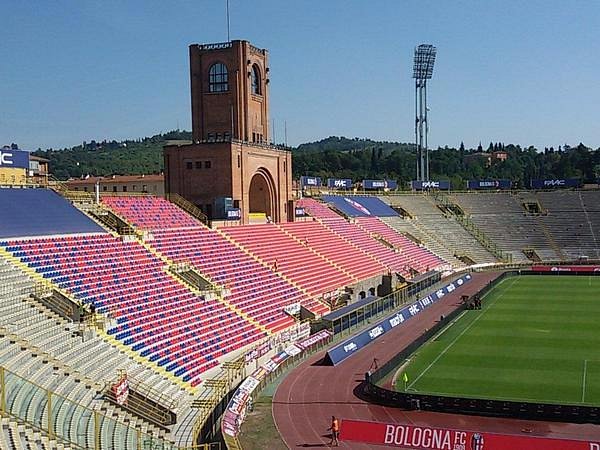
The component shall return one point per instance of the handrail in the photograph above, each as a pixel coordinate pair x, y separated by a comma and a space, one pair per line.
187, 206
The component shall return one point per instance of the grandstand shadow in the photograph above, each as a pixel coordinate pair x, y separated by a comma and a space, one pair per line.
324, 361
320, 444
359, 393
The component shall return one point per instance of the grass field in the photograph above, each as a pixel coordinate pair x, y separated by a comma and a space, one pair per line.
537, 338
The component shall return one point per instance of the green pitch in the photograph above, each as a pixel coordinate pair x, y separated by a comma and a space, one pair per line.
537, 338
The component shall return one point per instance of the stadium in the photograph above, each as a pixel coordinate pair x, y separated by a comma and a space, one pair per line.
115, 336
414, 315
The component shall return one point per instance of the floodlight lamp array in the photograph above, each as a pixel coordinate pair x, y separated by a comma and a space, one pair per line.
424, 61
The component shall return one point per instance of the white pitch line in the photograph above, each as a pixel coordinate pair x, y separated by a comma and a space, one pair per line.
585, 361
458, 337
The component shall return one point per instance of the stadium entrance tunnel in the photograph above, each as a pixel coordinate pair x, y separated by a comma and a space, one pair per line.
262, 193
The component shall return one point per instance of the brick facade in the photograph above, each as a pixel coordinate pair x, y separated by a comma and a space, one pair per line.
237, 111
230, 155
206, 171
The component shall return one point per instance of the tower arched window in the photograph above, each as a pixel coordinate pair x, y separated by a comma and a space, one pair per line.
218, 78
256, 85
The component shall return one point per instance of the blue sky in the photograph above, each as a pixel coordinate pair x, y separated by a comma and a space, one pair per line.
526, 72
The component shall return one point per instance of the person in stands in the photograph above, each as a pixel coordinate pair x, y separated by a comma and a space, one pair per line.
335, 431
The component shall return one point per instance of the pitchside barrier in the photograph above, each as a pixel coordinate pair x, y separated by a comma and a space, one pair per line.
566, 270
460, 405
242, 400
350, 346
409, 436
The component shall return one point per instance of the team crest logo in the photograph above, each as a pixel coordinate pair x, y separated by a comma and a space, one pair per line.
477, 442
358, 206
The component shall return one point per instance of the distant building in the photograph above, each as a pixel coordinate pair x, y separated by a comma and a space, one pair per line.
150, 184
500, 155
38, 170
488, 157
231, 164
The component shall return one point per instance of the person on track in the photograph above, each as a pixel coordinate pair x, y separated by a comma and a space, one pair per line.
335, 431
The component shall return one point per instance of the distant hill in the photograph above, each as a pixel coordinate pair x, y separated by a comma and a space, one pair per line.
354, 158
344, 144
104, 158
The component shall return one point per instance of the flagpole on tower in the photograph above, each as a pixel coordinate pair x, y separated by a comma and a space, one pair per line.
227, 8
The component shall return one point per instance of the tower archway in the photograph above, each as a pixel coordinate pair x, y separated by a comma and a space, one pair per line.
261, 194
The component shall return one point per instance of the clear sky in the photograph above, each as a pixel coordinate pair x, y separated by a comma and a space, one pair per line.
523, 71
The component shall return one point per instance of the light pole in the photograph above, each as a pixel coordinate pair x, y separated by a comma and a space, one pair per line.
422, 71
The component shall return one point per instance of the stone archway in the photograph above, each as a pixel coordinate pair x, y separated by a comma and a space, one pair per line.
261, 194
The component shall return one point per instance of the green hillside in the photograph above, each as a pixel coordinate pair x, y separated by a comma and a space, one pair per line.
104, 158
344, 157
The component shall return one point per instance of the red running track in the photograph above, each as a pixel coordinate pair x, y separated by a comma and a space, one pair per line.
311, 394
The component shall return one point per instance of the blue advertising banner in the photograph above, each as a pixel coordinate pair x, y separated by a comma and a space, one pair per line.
556, 183
310, 181
379, 184
350, 346
300, 212
14, 159
234, 214
418, 185
339, 183
489, 184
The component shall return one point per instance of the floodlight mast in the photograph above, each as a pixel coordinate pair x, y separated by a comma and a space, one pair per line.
422, 71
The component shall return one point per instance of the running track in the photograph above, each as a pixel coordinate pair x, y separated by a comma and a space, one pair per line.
311, 394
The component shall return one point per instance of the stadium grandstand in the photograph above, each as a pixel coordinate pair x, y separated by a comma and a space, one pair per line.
167, 303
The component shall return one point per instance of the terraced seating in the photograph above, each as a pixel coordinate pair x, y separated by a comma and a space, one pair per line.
393, 260
573, 220
17, 436
421, 259
342, 252
157, 316
241, 274
317, 209
364, 234
441, 233
254, 288
290, 257
49, 354
504, 220
150, 213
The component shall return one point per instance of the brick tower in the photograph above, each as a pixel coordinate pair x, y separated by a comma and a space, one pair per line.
231, 155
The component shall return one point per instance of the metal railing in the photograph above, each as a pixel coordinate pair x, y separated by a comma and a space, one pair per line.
187, 206
56, 416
